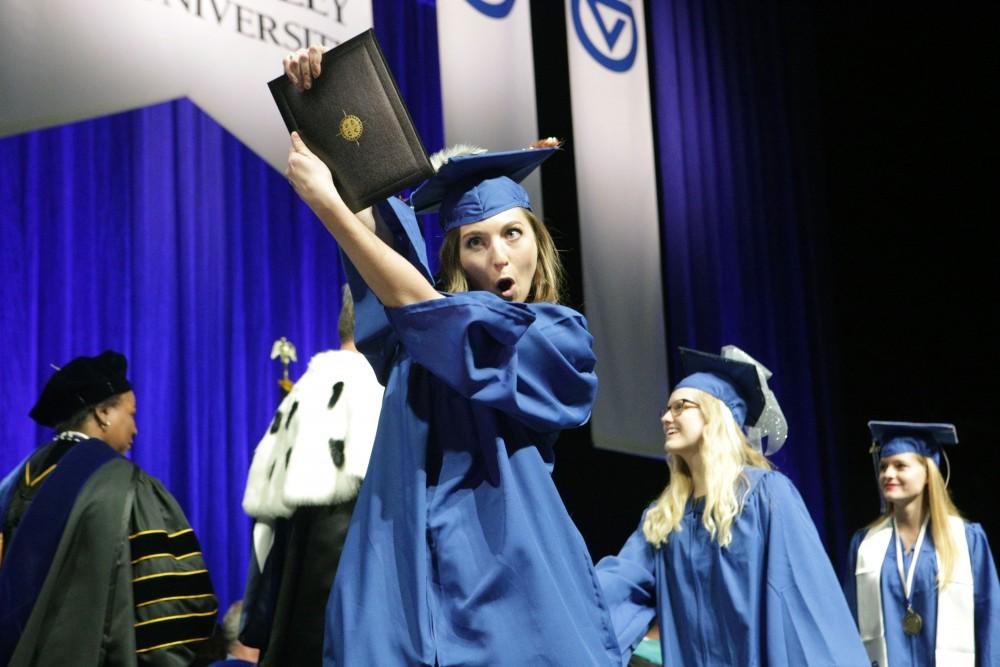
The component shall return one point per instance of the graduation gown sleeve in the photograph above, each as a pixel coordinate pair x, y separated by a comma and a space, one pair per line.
628, 581
532, 362
805, 617
373, 334
986, 593
173, 599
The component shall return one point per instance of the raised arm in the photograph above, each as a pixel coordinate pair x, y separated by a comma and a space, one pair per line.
393, 279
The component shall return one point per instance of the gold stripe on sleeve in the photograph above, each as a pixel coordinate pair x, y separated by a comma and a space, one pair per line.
139, 560
172, 618
182, 641
169, 574
160, 530
175, 597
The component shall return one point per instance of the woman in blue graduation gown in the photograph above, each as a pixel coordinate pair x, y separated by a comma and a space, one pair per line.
920, 580
727, 559
460, 551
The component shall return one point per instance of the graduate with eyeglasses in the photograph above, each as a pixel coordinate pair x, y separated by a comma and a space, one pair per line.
727, 559
460, 550
921, 581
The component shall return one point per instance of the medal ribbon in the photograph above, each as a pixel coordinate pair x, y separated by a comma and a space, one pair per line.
907, 579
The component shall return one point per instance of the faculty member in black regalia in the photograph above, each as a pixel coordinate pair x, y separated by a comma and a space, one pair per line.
99, 564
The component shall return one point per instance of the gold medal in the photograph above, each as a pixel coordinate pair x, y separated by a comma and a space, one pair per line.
912, 623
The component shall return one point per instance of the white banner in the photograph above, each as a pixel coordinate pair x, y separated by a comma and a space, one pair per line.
488, 77
619, 220
67, 61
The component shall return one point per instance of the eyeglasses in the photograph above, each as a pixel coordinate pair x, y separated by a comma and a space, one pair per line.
679, 406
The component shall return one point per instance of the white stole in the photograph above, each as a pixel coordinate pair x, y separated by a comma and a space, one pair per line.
955, 641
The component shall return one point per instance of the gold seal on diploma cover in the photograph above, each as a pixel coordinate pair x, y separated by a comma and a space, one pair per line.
351, 128
912, 623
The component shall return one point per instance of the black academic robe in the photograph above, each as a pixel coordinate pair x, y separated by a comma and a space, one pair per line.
99, 564
286, 603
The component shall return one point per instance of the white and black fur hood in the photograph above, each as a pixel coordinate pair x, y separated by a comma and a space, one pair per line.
317, 448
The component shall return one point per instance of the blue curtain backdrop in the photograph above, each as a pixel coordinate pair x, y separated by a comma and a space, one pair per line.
742, 215
156, 233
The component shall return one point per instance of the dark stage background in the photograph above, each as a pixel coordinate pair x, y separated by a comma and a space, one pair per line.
827, 183
910, 147
903, 145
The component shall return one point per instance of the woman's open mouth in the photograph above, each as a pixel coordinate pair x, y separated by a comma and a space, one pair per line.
505, 286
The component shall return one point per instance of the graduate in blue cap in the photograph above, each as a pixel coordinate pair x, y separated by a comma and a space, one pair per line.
727, 559
920, 580
460, 550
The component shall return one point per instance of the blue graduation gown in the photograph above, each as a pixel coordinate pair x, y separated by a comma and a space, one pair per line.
769, 598
460, 551
918, 650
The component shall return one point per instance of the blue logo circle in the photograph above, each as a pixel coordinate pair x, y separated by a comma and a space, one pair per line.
497, 10
619, 17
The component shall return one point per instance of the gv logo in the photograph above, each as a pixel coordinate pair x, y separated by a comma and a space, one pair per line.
606, 29
497, 10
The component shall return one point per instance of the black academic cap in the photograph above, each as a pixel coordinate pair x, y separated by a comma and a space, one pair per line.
82, 382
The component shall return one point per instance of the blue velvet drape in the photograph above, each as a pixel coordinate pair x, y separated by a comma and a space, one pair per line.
742, 215
156, 233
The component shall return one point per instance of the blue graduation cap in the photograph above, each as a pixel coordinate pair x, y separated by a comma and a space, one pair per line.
735, 383
470, 188
891, 438
739, 381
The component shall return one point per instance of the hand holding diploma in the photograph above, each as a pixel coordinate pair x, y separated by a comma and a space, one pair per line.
302, 66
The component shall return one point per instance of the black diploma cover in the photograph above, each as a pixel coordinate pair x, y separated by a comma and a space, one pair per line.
354, 120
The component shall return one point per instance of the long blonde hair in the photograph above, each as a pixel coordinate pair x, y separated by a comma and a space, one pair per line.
724, 451
547, 283
937, 501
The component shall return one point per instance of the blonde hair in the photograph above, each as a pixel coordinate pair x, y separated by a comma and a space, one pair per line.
547, 283
724, 451
938, 502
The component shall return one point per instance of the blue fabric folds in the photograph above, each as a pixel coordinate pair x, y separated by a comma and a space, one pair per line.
460, 550
769, 598
534, 362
